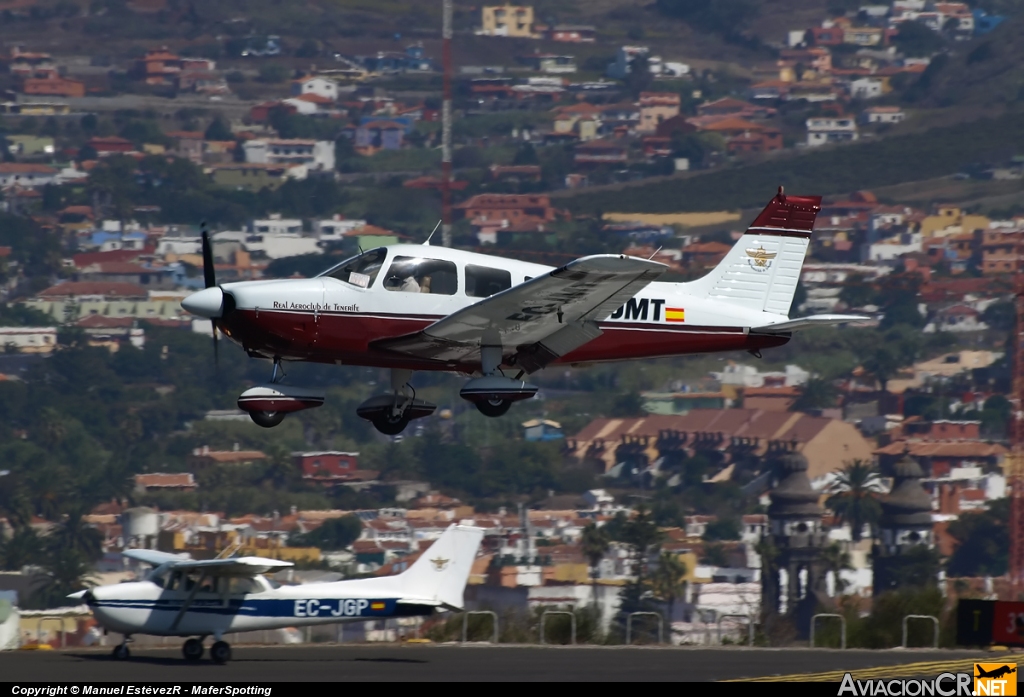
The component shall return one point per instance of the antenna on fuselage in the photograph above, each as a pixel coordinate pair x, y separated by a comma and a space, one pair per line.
655, 252
427, 243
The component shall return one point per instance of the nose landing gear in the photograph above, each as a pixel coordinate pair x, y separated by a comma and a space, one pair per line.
268, 404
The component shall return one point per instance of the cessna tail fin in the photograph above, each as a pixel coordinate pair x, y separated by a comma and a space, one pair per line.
762, 269
441, 573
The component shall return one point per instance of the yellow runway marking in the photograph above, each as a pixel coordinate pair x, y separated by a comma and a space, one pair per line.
905, 670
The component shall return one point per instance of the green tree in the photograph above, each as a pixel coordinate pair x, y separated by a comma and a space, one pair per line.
65, 572
669, 580
722, 529
594, 543
917, 40
836, 561
642, 536
14, 501
218, 130
715, 554
883, 364
854, 498
857, 292
983, 542
75, 536
334, 534
22, 549
815, 394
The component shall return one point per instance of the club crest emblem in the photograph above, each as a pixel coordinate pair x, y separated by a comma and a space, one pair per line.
760, 260
439, 563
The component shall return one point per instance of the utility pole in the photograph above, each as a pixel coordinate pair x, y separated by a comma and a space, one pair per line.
446, 124
1015, 460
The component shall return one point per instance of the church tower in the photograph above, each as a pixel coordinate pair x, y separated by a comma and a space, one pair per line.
904, 552
792, 572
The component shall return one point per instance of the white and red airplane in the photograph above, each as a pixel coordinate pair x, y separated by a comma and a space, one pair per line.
418, 307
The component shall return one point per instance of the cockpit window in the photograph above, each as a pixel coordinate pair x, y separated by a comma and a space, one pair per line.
420, 275
359, 271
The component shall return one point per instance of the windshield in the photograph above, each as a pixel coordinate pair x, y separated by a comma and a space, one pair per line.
361, 270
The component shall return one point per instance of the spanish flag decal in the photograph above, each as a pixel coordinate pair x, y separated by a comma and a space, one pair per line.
675, 314
376, 606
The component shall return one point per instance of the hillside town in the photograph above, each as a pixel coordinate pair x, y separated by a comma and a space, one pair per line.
716, 492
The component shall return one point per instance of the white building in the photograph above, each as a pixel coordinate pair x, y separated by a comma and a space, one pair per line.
276, 225
319, 86
823, 130
883, 114
893, 248
335, 229
866, 88
749, 376
179, 245
272, 245
29, 339
314, 154
26, 174
624, 58
302, 107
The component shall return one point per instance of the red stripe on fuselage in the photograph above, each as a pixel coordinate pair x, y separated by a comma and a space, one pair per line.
346, 337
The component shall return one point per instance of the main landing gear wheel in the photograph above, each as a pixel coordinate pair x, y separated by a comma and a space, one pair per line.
391, 425
266, 419
494, 407
192, 650
220, 652
121, 653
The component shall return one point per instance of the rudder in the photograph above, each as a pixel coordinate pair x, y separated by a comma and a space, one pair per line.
762, 269
441, 573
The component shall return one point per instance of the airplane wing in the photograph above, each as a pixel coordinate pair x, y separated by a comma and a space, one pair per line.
539, 320
234, 566
806, 322
152, 556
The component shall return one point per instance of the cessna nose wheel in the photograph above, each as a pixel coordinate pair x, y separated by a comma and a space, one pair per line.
494, 407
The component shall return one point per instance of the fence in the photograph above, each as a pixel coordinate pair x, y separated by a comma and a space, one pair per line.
494, 618
572, 619
629, 625
842, 623
935, 621
750, 626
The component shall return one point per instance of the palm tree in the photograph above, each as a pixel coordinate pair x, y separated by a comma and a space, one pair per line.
74, 535
67, 572
854, 496
836, 560
22, 549
594, 542
14, 503
669, 580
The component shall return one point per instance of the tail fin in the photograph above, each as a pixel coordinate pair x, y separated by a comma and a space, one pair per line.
441, 573
761, 271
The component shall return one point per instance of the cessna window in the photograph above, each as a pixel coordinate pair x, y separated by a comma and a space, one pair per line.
241, 585
418, 275
482, 282
361, 270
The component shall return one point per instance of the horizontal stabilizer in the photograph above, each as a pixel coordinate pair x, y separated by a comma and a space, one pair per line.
807, 322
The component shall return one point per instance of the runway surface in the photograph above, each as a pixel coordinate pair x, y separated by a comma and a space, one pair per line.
473, 662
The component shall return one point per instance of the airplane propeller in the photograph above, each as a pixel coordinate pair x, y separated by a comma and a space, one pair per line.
210, 281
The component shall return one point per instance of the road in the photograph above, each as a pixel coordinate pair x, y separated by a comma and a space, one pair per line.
481, 663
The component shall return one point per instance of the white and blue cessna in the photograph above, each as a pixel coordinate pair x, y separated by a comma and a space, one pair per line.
199, 599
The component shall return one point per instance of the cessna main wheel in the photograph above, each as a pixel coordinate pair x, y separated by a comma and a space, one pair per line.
266, 419
390, 425
220, 652
121, 652
494, 407
192, 650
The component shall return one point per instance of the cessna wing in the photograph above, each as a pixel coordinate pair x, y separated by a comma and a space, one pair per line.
233, 566
152, 556
807, 322
539, 320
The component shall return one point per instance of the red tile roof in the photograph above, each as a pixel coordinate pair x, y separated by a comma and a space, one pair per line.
163, 480
108, 289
